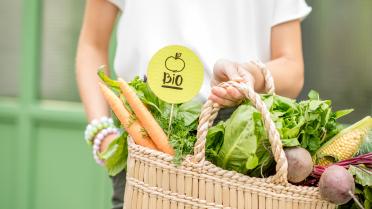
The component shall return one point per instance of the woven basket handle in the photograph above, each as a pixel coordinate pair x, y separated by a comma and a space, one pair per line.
209, 113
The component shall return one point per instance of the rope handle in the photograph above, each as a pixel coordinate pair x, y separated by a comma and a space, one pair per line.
209, 113
269, 81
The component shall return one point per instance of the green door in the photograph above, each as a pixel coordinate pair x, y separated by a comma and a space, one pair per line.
45, 163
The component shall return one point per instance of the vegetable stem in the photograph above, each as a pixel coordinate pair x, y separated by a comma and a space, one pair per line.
356, 200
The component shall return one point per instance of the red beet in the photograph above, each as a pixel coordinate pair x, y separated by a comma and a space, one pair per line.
336, 185
300, 164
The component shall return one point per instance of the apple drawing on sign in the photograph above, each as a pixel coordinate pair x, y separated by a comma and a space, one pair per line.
175, 63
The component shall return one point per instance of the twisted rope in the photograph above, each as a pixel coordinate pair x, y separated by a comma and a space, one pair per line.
209, 113
269, 81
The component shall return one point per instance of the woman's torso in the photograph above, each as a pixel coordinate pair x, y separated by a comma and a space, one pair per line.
238, 30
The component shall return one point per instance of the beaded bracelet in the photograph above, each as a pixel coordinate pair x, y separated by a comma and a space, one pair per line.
98, 140
96, 126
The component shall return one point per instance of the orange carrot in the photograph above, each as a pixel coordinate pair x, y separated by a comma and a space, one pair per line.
152, 127
131, 125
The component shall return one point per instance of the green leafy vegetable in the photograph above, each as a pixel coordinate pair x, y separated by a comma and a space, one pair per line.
363, 179
363, 175
214, 141
238, 151
182, 132
367, 191
366, 147
319, 123
115, 156
241, 143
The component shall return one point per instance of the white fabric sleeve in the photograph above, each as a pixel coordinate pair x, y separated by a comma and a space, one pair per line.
287, 10
118, 3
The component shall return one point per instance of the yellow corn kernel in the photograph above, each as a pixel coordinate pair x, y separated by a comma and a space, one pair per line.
345, 144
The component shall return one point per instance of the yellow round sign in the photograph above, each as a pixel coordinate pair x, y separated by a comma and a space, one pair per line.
175, 74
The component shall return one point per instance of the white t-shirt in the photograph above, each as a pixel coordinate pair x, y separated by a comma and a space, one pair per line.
238, 30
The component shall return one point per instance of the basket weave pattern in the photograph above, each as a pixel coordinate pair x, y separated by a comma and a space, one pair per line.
154, 182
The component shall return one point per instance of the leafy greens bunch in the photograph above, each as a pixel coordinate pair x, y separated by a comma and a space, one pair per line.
181, 131
240, 143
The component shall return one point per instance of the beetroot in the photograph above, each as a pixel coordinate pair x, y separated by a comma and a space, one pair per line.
336, 185
300, 164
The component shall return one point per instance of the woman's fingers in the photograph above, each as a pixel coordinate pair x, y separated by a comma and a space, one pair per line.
220, 92
247, 77
234, 73
225, 70
234, 94
226, 97
229, 93
221, 101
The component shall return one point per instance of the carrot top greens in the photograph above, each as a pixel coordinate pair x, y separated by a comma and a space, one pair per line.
182, 131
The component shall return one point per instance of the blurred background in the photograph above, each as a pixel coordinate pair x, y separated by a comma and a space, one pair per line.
45, 161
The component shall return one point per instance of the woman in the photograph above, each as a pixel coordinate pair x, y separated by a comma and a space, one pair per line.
225, 34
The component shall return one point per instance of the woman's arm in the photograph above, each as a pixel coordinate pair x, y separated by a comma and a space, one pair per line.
92, 52
286, 66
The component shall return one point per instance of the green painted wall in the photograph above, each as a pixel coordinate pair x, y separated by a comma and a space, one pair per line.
45, 161
337, 42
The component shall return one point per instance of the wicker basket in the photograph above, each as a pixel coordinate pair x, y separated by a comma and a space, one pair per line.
153, 181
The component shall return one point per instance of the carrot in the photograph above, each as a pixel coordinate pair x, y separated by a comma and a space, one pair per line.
131, 125
152, 127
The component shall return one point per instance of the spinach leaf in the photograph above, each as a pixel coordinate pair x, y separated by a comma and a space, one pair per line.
214, 141
116, 155
241, 143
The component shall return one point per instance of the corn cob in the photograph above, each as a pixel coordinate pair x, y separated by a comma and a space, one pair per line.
345, 144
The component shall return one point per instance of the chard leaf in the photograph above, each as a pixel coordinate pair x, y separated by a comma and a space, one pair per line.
363, 176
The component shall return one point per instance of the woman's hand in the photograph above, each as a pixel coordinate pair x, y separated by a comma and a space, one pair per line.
107, 141
225, 70
286, 66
